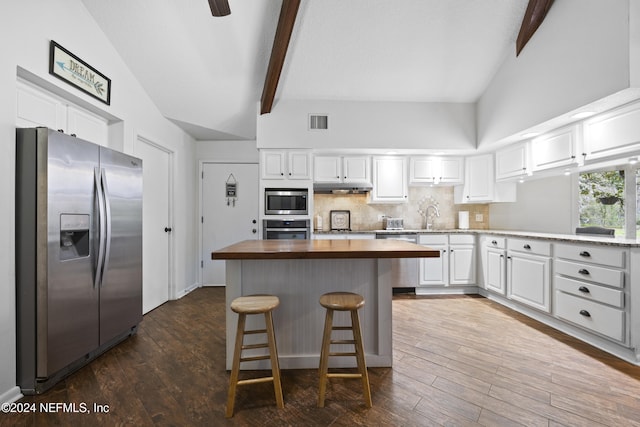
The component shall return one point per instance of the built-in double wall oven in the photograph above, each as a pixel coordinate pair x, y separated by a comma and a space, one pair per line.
286, 229
289, 202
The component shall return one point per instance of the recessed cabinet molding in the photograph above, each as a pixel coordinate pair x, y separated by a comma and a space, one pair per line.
612, 133
513, 161
560, 148
285, 164
436, 170
339, 169
390, 180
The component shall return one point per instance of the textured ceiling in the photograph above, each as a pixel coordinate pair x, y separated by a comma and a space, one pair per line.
206, 74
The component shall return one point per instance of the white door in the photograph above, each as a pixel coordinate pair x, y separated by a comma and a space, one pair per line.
227, 220
156, 259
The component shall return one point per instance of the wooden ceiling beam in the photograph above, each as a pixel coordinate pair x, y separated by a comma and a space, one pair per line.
287, 19
219, 7
533, 17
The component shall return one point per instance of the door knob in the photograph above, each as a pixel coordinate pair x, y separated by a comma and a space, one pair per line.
254, 231
167, 229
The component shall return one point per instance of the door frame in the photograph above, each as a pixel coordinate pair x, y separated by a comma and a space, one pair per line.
142, 138
201, 207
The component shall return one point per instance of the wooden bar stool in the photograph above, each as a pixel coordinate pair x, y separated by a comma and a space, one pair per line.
342, 301
254, 304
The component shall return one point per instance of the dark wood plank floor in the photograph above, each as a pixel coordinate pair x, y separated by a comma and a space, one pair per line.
458, 361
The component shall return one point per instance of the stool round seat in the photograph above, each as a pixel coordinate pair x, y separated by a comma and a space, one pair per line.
255, 304
342, 301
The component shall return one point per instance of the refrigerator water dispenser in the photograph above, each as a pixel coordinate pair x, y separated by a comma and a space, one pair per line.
74, 236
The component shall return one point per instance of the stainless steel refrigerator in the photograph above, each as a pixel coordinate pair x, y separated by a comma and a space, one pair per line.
78, 253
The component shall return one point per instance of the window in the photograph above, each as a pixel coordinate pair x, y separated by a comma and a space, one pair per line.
602, 201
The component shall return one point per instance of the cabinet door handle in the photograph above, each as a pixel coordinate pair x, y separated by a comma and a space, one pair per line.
501, 256
527, 246
583, 289
493, 242
583, 271
585, 313
585, 254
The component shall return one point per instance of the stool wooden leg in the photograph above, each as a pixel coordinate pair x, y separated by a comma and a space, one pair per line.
324, 356
362, 366
235, 369
273, 352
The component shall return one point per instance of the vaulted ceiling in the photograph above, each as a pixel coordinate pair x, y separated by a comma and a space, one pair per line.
207, 73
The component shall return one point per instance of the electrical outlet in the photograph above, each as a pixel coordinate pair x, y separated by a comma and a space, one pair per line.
479, 217
380, 217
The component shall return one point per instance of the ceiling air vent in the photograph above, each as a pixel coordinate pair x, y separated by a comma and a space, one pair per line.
318, 122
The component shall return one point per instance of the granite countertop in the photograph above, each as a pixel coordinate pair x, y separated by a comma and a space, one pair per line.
323, 249
569, 238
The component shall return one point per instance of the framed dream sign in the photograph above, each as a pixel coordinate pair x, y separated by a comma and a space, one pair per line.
68, 67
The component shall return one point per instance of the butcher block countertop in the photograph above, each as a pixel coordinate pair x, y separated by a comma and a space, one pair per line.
323, 249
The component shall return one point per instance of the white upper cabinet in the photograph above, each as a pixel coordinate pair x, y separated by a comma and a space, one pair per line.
347, 169
559, 148
512, 162
327, 169
479, 179
390, 180
613, 133
283, 164
36, 107
356, 169
436, 170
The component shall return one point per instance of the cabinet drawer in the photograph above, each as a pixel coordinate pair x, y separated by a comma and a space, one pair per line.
433, 239
590, 291
496, 242
600, 318
461, 239
538, 247
612, 257
592, 273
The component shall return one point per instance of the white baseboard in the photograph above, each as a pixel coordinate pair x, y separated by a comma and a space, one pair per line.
186, 291
11, 395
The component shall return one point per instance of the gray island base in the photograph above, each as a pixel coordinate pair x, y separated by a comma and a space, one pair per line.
299, 273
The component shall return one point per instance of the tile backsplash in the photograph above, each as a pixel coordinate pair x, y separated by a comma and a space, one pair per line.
365, 216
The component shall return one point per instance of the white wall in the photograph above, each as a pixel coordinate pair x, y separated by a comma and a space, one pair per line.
227, 151
580, 54
543, 205
27, 26
372, 125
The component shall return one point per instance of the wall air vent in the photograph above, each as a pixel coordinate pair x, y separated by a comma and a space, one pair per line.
318, 122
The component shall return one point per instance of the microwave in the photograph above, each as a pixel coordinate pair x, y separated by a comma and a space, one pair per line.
286, 201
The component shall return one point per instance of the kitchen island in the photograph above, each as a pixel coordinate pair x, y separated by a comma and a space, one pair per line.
299, 272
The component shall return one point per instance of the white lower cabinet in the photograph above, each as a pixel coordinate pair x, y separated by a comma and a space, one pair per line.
589, 287
456, 265
494, 264
462, 259
529, 273
435, 271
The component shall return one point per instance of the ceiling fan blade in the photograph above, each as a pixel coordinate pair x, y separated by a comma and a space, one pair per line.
219, 7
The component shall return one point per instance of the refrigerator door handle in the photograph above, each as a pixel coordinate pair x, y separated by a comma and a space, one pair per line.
107, 209
101, 228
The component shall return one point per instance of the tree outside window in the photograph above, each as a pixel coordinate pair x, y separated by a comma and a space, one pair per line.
602, 200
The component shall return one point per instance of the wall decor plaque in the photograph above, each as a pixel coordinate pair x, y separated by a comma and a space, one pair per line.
68, 67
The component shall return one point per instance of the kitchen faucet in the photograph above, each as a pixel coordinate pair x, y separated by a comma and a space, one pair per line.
426, 212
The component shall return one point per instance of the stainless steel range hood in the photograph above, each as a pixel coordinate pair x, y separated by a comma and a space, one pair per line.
341, 188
